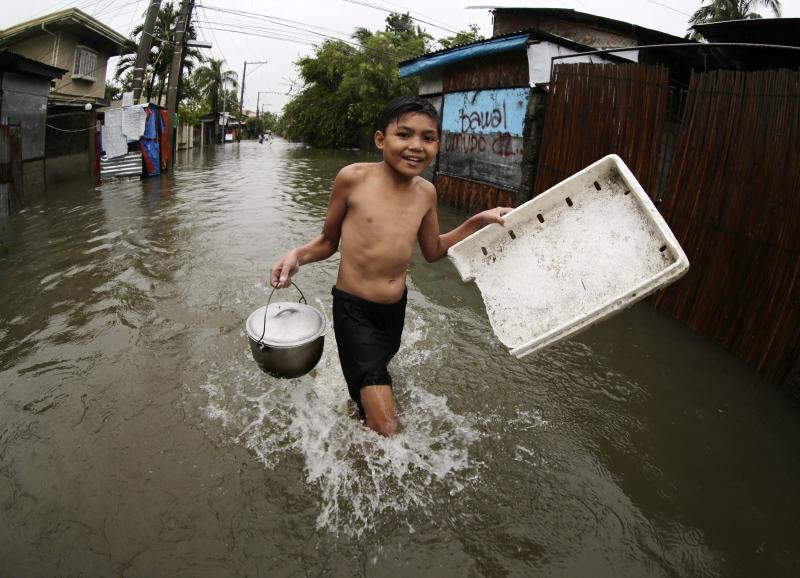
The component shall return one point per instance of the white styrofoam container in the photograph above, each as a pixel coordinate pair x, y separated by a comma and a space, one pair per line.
574, 255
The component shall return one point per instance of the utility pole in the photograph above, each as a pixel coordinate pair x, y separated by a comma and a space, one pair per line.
241, 96
258, 99
145, 42
181, 26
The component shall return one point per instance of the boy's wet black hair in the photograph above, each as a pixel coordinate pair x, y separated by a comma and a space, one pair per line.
401, 105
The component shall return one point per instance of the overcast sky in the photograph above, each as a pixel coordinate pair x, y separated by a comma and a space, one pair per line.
312, 21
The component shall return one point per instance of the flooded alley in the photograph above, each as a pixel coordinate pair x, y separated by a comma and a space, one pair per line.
139, 438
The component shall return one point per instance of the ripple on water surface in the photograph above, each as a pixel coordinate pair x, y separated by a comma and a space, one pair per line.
361, 477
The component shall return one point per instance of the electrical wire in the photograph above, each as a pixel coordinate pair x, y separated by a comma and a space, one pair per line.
405, 9
273, 37
382, 9
263, 29
278, 21
668, 7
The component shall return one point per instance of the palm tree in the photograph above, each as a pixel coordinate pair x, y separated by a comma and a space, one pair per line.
212, 82
158, 61
720, 10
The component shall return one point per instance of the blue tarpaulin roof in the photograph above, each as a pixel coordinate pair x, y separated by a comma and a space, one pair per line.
491, 46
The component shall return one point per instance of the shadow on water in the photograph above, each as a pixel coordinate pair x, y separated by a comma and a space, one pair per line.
139, 438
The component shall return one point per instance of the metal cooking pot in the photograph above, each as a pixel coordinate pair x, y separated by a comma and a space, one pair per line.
286, 339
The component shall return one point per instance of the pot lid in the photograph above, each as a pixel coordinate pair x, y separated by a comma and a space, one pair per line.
285, 324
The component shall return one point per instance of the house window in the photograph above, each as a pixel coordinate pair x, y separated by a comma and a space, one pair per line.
85, 66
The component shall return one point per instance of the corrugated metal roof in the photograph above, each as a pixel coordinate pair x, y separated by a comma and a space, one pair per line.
782, 31
445, 50
472, 49
13, 62
464, 52
766, 43
640, 33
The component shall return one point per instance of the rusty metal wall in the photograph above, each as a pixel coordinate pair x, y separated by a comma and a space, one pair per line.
590, 33
11, 194
504, 70
471, 196
733, 201
25, 103
598, 109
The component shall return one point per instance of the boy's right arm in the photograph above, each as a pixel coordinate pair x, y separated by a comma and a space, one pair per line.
323, 245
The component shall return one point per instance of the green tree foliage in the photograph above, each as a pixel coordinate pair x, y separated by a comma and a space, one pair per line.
160, 56
346, 86
721, 10
113, 92
214, 84
267, 121
193, 104
473, 34
230, 100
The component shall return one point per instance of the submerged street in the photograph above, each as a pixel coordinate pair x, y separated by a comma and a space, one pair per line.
139, 438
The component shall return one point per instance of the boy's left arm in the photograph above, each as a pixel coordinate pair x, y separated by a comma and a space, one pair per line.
434, 246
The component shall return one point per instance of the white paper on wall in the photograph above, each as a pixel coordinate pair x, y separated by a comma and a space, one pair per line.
133, 121
114, 142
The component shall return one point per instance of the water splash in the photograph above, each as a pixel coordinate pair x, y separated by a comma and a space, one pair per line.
361, 477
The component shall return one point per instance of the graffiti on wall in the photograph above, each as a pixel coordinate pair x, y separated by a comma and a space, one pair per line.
482, 135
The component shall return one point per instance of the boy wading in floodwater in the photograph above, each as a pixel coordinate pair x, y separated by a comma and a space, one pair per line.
376, 212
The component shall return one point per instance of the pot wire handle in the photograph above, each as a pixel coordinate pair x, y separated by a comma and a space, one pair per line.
266, 308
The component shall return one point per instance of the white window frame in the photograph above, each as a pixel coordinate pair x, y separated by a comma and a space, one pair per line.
85, 65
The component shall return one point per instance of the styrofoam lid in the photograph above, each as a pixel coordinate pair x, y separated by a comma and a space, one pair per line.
285, 324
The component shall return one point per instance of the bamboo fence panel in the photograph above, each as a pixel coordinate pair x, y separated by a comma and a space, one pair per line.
733, 202
598, 109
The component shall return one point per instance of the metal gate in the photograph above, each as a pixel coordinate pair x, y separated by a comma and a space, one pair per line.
11, 199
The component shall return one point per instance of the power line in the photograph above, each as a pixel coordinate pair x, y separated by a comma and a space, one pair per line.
215, 42
275, 20
405, 9
668, 7
286, 36
264, 29
382, 9
287, 39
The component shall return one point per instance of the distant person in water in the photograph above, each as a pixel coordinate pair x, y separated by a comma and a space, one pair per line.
375, 214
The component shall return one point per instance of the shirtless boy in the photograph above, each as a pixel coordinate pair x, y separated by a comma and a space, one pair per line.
376, 212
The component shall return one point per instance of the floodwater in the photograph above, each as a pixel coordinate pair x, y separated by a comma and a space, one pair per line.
138, 438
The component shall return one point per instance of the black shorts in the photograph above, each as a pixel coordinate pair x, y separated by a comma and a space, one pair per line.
367, 336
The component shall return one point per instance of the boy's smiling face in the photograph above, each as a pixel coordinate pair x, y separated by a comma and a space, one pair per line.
410, 144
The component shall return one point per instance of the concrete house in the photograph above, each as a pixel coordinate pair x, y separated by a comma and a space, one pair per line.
81, 45
72, 40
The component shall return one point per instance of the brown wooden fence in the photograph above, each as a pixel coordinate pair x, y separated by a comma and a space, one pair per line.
733, 202
597, 109
10, 169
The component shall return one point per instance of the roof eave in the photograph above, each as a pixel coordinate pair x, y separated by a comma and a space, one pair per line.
75, 15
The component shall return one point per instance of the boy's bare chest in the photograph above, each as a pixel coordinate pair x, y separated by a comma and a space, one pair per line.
397, 215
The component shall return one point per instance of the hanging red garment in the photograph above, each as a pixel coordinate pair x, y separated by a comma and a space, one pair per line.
164, 139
